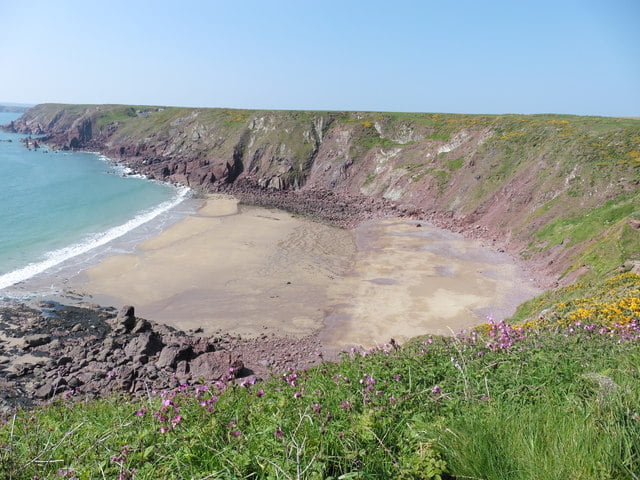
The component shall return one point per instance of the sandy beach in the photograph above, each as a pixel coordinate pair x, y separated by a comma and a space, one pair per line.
250, 271
410, 278
243, 270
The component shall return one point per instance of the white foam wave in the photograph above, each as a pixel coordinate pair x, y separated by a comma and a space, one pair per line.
118, 168
56, 257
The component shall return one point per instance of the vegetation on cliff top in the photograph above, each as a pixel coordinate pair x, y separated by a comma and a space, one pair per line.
556, 397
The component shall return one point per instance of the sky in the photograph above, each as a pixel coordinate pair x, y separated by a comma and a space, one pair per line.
518, 56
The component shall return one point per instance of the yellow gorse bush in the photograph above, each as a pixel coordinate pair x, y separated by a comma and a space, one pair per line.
616, 302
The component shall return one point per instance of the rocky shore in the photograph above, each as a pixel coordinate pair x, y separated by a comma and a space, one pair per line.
59, 350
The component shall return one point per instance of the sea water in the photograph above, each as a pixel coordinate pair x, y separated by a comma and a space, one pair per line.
57, 209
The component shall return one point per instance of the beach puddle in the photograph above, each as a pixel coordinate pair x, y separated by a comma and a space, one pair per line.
251, 271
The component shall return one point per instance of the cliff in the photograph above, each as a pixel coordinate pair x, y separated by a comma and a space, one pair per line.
562, 191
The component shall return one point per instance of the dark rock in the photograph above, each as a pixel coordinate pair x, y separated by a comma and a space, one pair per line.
36, 340
59, 383
103, 355
172, 354
125, 377
45, 391
74, 382
126, 319
64, 360
147, 343
141, 326
215, 365
141, 359
168, 357
209, 366
20, 369
182, 370
78, 352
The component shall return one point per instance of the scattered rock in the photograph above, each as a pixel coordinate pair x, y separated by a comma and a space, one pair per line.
141, 325
95, 354
64, 360
148, 343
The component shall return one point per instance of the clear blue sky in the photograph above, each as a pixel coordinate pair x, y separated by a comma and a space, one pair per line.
580, 57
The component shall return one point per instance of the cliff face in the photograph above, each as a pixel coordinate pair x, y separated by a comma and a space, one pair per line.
529, 181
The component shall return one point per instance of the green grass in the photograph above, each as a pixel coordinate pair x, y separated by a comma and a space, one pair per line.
580, 228
455, 164
551, 400
604, 233
369, 178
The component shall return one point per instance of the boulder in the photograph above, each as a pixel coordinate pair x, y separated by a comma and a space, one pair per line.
36, 340
125, 378
215, 365
126, 319
45, 391
147, 343
172, 354
141, 325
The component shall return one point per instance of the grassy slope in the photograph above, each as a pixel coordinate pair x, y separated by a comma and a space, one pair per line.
558, 398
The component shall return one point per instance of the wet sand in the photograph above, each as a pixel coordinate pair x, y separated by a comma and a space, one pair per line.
410, 278
252, 270
244, 270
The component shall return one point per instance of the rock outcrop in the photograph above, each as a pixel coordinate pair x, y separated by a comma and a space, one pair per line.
59, 350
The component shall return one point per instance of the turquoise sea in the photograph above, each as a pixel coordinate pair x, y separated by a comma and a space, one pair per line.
59, 209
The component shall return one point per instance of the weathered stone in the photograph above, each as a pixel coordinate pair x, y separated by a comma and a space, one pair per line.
110, 343
36, 340
182, 370
125, 378
215, 365
171, 355
78, 352
64, 360
74, 382
126, 319
141, 360
141, 325
209, 366
59, 382
45, 391
147, 343
20, 369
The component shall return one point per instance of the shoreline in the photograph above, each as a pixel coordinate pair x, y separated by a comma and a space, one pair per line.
380, 267
48, 275
248, 270
228, 267
276, 350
